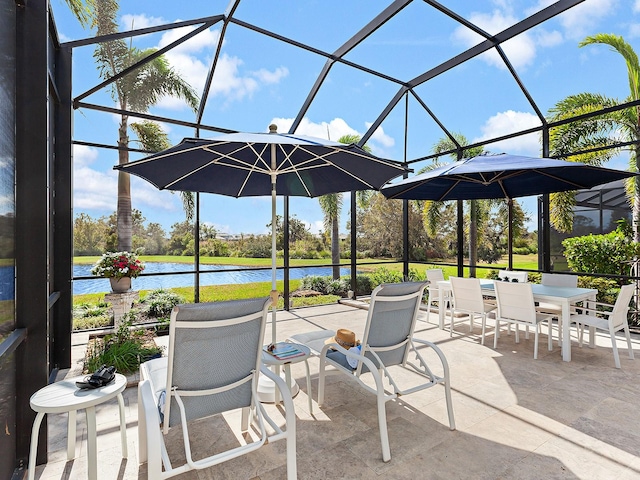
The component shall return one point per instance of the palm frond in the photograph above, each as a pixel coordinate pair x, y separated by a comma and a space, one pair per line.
561, 212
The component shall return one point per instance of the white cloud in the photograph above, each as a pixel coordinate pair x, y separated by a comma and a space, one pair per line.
634, 30
335, 129
267, 77
135, 22
382, 138
548, 39
332, 130
520, 50
315, 227
94, 190
83, 155
7, 204
192, 60
582, 18
636, 6
97, 190
504, 123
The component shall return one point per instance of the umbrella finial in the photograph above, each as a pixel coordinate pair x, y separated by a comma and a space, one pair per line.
273, 128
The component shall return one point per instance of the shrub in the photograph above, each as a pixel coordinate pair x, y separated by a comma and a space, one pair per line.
607, 288
363, 285
86, 316
608, 254
383, 275
159, 303
337, 287
125, 350
314, 282
416, 275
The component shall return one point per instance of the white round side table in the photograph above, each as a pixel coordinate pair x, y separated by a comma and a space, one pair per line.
65, 396
268, 359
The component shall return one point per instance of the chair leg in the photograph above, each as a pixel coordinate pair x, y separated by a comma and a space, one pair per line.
550, 336
382, 425
616, 356
580, 329
142, 430
517, 328
496, 334
628, 335
244, 422
484, 325
451, 311
535, 347
471, 323
321, 377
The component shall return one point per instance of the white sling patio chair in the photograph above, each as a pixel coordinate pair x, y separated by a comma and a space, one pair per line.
513, 276
467, 298
212, 367
434, 275
611, 320
516, 305
516, 277
386, 344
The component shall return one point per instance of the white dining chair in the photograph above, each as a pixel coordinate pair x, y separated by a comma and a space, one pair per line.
610, 318
516, 305
434, 275
512, 276
516, 277
467, 298
556, 280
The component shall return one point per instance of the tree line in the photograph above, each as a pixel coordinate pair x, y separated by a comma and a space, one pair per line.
378, 230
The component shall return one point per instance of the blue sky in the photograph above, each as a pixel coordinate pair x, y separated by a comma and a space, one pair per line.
262, 81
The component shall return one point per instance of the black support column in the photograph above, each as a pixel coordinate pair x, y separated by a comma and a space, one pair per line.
62, 297
32, 217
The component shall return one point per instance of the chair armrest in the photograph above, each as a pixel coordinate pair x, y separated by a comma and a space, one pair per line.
592, 311
591, 302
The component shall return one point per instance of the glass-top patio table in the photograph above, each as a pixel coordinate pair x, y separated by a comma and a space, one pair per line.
562, 296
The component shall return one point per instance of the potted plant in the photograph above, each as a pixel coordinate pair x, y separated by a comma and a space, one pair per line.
119, 268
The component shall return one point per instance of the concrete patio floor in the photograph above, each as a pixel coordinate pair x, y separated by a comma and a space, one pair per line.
517, 418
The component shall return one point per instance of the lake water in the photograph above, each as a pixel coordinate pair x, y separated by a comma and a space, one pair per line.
219, 275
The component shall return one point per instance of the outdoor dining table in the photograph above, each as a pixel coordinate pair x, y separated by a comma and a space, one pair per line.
562, 296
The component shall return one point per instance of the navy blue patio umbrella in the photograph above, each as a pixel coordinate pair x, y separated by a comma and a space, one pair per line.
260, 164
501, 176
490, 176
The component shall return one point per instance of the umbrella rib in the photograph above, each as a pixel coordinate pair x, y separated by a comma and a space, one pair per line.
254, 167
506, 195
555, 177
444, 195
236, 163
405, 190
287, 157
153, 158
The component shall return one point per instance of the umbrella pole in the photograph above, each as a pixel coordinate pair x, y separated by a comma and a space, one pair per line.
267, 391
274, 291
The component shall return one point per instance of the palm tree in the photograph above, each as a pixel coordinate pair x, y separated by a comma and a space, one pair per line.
331, 206
80, 10
154, 139
478, 209
599, 131
137, 91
